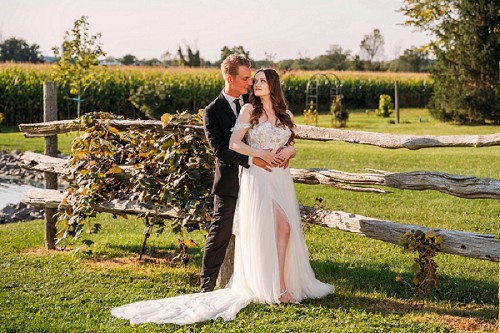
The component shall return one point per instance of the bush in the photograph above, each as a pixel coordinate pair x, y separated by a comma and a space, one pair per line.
385, 106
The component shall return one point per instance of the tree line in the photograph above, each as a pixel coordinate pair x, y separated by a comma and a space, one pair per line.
369, 57
465, 49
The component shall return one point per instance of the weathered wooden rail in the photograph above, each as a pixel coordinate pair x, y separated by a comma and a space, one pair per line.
460, 186
466, 244
384, 140
474, 245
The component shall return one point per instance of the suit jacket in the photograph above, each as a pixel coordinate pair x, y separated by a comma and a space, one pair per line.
218, 119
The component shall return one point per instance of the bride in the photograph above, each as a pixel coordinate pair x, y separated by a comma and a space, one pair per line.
271, 263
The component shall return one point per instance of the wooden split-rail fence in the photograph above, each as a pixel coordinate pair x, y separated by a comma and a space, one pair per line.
467, 244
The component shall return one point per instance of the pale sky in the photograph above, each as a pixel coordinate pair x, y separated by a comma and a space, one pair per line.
149, 28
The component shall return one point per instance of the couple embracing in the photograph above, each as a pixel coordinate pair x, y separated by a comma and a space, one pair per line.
254, 200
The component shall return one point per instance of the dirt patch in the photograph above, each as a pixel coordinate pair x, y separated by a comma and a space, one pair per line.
41, 251
105, 263
162, 259
468, 324
393, 306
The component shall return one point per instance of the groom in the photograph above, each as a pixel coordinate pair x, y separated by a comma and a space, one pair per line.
218, 119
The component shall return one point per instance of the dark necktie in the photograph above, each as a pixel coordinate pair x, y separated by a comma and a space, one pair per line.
238, 106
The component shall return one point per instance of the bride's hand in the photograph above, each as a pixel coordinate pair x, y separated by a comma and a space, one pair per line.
285, 153
270, 157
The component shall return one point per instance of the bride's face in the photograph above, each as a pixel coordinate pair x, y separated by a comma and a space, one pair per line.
260, 86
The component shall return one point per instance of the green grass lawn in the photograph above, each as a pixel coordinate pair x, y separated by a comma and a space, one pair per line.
43, 291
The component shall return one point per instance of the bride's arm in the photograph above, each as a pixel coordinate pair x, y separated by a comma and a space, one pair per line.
288, 151
240, 129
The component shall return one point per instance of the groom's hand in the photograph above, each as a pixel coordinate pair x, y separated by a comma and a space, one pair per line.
261, 163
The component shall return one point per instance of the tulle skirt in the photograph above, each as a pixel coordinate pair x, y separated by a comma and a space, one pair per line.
256, 272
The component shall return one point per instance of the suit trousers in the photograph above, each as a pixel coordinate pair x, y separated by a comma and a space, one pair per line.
217, 240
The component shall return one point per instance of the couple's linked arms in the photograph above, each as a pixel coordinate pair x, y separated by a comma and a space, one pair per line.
273, 158
217, 139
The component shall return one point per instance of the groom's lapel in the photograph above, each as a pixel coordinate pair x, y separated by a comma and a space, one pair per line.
226, 108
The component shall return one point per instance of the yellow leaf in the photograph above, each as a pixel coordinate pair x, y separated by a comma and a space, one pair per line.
430, 234
92, 163
113, 130
398, 278
115, 170
80, 154
190, 243
84, 172
438, 240
166, 118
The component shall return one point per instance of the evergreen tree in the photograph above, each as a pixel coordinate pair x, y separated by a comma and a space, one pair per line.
467, 51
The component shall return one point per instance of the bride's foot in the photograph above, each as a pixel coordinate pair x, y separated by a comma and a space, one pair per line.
286, 297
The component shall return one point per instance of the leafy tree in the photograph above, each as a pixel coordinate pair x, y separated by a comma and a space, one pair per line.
466, 45
128, 60
372, 46
151, 62
413, 60
181, 60
335, 58
18, 50
193, 58
357, 64
226, 51
297, 64
77, 59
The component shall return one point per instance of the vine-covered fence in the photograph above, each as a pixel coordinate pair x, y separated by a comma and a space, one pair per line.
467, 244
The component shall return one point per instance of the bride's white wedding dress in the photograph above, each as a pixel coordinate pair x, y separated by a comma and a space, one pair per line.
256, 271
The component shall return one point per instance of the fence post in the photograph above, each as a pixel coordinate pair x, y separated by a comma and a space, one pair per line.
396, 100
50, 114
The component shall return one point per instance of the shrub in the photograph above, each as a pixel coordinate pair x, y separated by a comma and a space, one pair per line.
385, 106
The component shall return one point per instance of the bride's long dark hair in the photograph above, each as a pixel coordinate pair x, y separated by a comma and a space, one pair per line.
277, 100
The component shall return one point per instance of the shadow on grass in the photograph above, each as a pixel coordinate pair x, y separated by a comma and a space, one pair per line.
155, 251
9, 129
460, 318
380, 279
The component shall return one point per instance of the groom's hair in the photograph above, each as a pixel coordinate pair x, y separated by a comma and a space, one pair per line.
230, 65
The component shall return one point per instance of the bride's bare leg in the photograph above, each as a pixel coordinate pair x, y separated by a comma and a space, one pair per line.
282, 237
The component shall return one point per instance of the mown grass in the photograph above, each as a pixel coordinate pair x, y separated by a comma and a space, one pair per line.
44, 291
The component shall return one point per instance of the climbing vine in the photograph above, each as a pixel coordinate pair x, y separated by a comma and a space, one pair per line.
425, 274
153, 168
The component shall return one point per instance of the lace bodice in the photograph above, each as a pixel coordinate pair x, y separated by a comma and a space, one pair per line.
265, 135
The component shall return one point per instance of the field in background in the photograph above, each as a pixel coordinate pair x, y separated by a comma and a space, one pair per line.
137, 92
